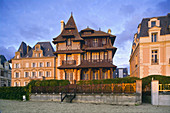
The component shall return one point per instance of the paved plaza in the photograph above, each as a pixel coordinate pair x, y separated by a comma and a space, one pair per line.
13, 106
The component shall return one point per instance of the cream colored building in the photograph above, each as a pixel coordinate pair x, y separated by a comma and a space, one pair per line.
35, 63
151, 48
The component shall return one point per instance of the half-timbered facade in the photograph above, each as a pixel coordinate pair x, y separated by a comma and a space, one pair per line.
84, 55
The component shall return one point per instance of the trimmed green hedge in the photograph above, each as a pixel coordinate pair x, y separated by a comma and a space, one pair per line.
13, 93
49, 83
162, 80
108, 81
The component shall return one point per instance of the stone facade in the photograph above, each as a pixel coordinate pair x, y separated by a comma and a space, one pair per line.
151, 48
5, 72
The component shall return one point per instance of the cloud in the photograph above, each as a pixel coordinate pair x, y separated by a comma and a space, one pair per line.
127, 10
8, 52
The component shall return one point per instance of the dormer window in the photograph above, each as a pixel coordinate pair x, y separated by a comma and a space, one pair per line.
104, 41
68, 42
95, 42
37, 48
154, 37
153, 23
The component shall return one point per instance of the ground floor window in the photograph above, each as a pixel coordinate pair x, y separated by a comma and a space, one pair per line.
95, 75
48, 74
105, 74
85, 75
69, 75
16, 84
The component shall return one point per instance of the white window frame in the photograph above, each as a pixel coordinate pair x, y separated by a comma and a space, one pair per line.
25, 74
35, 64
25, 83
18, 75
49, 73
42, 64
32, 74
49, 64
39, 74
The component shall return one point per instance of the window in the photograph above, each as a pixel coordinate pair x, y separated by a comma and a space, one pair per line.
105, 55
69, 57
105, 74
95, 42
85, 75
35, 54
85, 56
17, 56
39, 54
16, 84
69, 75
40, 64
48, 74
17, 75
33, 65
16, 65
26, 74
48, 64
27, 64
154, 60
33, 74
37, 48
85, 42
95, 56
104, 41
154, 37
40, 74
25, 83
153, 23
68, 42
95, 75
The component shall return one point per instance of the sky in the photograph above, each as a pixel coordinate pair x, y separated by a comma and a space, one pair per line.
35, 21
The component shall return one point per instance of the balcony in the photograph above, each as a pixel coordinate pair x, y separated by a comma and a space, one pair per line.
154, 61
69, 62
97, 61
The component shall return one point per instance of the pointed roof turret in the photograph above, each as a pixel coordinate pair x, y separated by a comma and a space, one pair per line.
69, 31
23, 49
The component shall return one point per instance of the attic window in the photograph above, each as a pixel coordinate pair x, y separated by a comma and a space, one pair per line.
37, 49
153, 23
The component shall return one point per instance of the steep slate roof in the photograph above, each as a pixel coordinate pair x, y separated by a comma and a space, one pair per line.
95, 33
3, 59
164, 23
23, 49
70, 29
44, 46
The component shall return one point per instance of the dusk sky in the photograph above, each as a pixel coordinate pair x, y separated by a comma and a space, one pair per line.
35, 21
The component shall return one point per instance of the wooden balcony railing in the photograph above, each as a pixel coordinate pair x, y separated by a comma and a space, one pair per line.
154, 61
69, 62
97, 60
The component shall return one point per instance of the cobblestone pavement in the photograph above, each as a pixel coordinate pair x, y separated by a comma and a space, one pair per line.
12, 106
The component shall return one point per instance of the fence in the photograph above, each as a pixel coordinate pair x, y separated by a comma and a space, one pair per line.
164, 87
94, 88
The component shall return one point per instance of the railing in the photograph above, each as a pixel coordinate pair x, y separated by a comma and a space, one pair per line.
69, 62
94, 88
164, 87
97, 60
154, 61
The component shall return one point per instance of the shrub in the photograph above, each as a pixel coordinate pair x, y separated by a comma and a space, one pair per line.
108, 81
15, 93
162, 80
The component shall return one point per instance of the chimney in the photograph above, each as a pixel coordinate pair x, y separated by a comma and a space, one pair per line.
62, 25
109, 31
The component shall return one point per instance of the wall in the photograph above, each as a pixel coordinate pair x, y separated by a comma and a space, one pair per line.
119, 99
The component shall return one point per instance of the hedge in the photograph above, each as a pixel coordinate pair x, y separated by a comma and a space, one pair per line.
162, 80
48, 83
109, 81
13, 93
